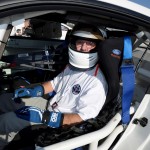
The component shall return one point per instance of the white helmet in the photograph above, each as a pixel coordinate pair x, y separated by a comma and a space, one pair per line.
84, 60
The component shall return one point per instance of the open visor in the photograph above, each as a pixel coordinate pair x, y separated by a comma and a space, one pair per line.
78, 41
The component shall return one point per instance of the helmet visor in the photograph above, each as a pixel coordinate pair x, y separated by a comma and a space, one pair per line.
84, 45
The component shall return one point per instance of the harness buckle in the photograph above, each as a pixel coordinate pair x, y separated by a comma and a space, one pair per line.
127, 62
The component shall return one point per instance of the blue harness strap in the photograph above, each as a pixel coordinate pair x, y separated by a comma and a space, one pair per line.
128, 79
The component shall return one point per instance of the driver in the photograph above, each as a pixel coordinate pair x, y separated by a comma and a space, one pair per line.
80, 90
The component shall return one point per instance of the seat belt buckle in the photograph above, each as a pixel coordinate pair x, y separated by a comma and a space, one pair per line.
127, 62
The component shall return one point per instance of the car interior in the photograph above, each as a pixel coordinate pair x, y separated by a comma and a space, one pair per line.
39, 53
38, 50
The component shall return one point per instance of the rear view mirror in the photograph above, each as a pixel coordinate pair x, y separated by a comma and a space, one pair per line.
45, 29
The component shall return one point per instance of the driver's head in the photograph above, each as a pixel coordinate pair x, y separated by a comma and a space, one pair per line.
83, 45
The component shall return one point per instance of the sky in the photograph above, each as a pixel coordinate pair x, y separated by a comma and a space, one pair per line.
145, 3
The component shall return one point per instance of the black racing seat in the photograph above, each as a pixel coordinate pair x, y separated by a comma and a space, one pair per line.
110, 59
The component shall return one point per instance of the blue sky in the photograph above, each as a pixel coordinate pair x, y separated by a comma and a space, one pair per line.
145, 3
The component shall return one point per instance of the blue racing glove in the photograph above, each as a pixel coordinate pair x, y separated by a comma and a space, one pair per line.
35, 114
36, 91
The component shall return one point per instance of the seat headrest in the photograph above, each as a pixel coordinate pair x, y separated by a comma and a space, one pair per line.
110, 58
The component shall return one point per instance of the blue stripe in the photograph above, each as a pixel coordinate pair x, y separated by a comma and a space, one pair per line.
127, 48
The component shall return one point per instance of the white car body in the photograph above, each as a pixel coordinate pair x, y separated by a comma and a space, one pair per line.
134, 137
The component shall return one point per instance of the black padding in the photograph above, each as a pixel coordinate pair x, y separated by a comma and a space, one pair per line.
110, 61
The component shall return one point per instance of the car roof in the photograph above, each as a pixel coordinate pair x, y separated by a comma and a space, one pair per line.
123, 14
142, 7
108, 12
